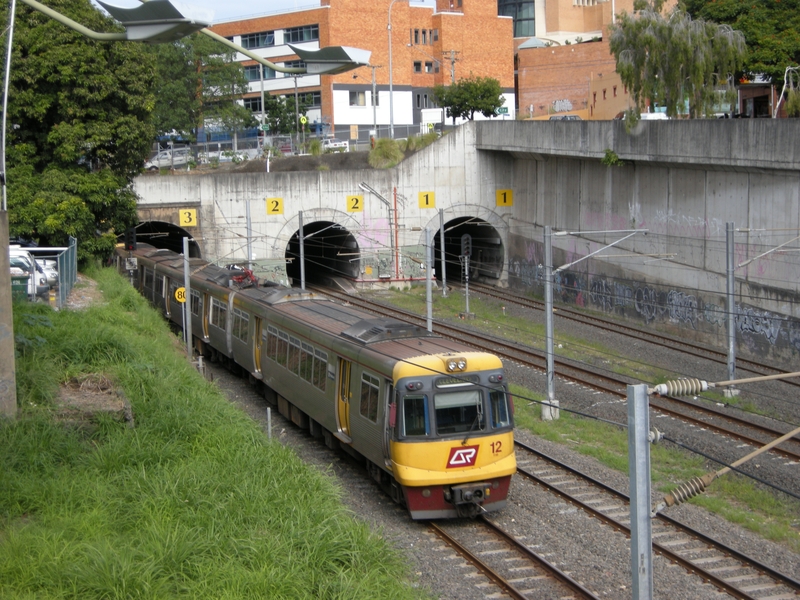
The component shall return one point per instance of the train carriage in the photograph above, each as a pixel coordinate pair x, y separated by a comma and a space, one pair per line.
430, 417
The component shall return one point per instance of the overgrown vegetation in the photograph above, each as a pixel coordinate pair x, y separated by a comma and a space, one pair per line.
610, 159
192, 502
386, 154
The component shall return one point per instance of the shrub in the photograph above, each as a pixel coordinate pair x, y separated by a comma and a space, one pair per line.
386, 154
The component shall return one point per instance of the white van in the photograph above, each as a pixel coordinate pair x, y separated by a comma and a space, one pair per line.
23, 263
654, 116
166, 159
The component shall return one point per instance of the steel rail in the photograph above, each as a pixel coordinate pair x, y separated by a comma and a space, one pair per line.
686, 563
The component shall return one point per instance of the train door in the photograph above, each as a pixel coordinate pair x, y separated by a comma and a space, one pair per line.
259, 340
389, 418
206, 312
343, 396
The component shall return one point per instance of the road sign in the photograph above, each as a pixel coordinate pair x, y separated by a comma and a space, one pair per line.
304, 119
180, 295
264, 127
503, 110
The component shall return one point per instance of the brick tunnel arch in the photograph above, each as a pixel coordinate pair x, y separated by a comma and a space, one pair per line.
485, 246
330, 251
161, 234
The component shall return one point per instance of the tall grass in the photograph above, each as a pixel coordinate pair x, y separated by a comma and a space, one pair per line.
192, 501
385, 155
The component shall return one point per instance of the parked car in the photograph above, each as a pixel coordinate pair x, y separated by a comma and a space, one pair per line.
332, 144
50, 270
166, 159
22, 262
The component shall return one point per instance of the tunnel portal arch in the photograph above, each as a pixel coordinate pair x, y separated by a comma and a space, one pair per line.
161, 234
485, 245
330, 250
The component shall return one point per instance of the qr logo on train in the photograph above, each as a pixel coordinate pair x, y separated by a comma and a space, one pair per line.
464, 456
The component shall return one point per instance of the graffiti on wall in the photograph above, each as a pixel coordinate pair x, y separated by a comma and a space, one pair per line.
756, 329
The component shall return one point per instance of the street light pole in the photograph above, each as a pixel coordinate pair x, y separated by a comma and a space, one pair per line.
391, 93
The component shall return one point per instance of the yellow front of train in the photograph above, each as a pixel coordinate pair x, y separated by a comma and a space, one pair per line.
452, 442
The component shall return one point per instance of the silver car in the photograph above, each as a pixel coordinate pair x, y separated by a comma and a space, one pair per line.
49, 270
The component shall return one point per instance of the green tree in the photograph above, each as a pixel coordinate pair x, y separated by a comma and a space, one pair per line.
78, 129
673, 59
281, 113
468, 96
771, 29
198, 82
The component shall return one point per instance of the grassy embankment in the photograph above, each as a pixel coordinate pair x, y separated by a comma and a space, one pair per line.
192, 502
735, 498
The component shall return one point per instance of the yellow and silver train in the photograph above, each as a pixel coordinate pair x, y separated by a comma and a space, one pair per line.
431, 418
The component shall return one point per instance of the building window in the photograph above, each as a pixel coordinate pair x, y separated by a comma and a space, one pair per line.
262, 39
604, 94
310, 99
429, 67
376, 99
358, 99
253, 104
424, 37
293, 64
417, 66
522, 11
435, 35
615, 91
306, 33
424, 100
253, 73
594, 98
419, 101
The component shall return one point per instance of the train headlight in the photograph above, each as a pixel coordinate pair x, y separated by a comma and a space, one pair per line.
426, 493
456, 364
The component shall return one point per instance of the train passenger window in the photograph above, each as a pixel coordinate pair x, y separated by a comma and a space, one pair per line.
293, 364
458, 412
148, 278
370, 387
415, 416
498, 400
218, 312
283, 348
320, 369
196, 303
240, 324
272, 343
306, 361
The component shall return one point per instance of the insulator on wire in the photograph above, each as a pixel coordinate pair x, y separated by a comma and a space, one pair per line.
681, 387
686, 491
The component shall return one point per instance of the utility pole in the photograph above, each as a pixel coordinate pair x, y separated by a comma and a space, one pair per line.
453, 61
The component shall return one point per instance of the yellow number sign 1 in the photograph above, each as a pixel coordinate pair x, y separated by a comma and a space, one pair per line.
427, 200
504, 197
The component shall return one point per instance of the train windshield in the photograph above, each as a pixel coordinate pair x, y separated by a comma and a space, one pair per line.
415, 416
498, 401
458, 412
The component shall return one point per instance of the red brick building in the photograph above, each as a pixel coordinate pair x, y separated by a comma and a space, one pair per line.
430, 45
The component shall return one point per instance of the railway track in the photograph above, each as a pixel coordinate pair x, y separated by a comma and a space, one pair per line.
507, 563
732, 572
696, 413
645, 335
